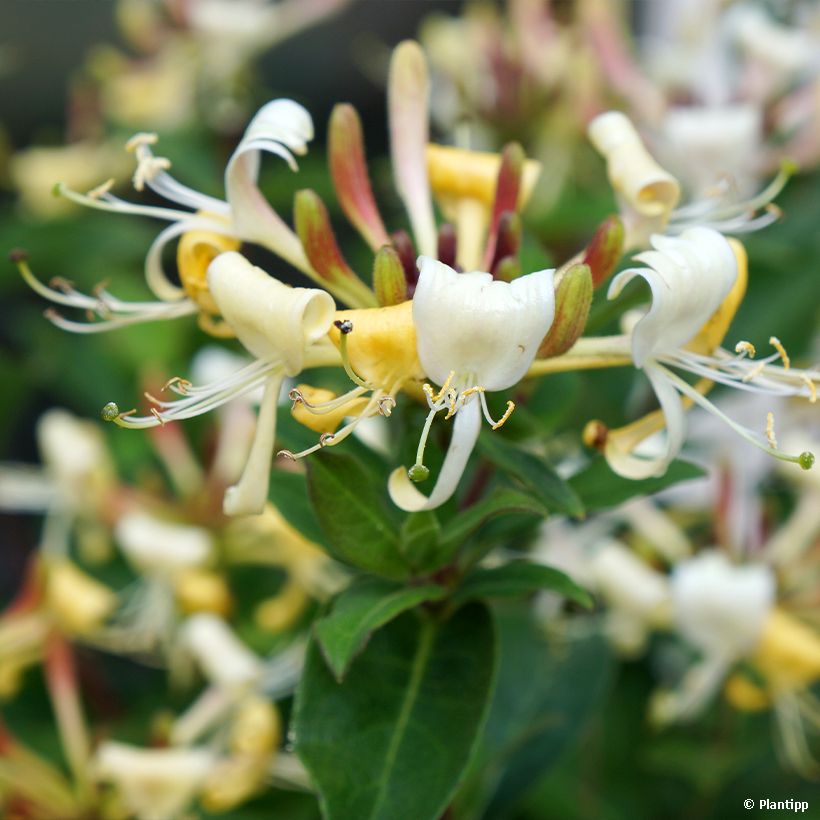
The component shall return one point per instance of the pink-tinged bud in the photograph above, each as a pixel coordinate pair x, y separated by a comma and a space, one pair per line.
573, 298
404, 247
408, 92
388, 278
447, 244
507, 189
348, 167
508, 240
317, 237
605, 249
507, 269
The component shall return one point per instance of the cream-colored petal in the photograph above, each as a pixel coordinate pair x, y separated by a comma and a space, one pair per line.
689, 277
273, 321
250, 494
482, 329
281, 127
466, 426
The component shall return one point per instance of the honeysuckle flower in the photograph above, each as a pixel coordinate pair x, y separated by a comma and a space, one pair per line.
80, 164
786, 664
649, 195
720, 610
280, 326
211, 226
697, 281
153, 784
473, 335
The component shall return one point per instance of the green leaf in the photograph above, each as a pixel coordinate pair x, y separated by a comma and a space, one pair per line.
547, 690
288, 492
420, 541
499, 502
394, 739
362, 608
534, 474
353, 515
599, 488
517, 579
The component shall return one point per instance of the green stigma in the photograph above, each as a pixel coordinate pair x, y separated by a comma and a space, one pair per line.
418, 473
806, 460
110, 412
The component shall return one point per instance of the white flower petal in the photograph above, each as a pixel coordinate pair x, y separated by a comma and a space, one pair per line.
249, 495
281, 127
466, 426
690, 276
155, 784
482, 329
222, 657
638, 465
720, 608
160, 547
272, 320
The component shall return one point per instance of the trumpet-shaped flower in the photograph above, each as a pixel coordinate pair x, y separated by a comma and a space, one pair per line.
719, 609
648, 195
473, 335
697, 282
281, 327
154, 784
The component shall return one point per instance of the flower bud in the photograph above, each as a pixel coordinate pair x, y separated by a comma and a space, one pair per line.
388, 277
573, 298
348, 168
317, 238
605, 249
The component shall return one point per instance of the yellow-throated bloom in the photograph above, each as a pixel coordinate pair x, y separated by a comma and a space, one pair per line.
697, 281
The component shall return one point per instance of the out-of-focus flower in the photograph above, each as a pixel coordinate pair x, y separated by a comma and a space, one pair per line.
80, 165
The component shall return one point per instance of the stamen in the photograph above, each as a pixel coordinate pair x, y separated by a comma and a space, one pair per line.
507, 414
770, 437
178, 385
386, 405
778, 346
445, 387
754, 372
418, 472
744, 348
147, 168
345, 327
101, 190
141, 138
812, 388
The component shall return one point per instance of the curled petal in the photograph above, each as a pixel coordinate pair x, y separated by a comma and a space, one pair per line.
282, 127
689, 277
466, 426
272, 320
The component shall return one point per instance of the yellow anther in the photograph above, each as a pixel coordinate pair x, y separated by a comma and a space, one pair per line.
157, 415
147, 168
471, 391
445, 387
507, 414
812, 388
181, 385
452, 403
101, 190
770, 431
142, 138
778, 346
754, 373
746, 348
